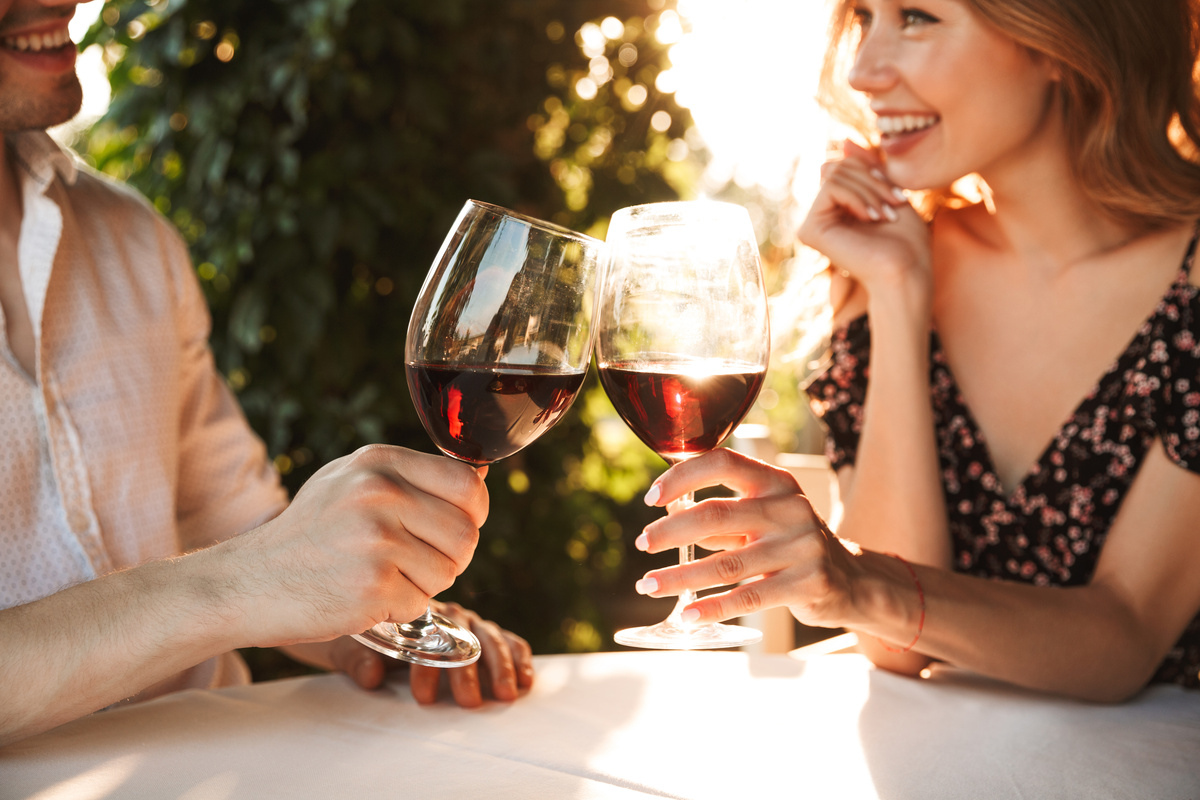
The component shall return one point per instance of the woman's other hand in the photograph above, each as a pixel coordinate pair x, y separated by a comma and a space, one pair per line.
865, 226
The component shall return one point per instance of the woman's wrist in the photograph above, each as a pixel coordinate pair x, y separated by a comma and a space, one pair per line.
892, 605
905, 300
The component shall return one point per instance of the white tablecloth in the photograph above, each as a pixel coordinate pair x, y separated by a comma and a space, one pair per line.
622, 725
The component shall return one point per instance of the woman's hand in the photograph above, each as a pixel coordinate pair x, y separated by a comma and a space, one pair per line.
769, 534
864, 224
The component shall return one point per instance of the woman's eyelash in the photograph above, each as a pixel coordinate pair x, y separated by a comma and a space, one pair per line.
912, 16
909, 17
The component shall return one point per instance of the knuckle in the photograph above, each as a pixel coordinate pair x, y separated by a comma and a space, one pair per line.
730, 567
444, 574
820, 585
372, 456
715, 513
521, 648
747, 599
462, 546
367, 487
723, 458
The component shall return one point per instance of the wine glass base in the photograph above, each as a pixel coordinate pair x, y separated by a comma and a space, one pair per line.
669, 635
442, 643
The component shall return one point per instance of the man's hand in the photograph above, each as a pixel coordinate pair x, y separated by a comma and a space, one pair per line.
369, 538
504, 669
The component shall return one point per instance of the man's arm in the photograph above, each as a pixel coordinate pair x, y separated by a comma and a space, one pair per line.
371, 537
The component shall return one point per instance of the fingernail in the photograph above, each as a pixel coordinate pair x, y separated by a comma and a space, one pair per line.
642, 542
898, 193
690, 615
653, 495
878, 175
873, 214
646, 586
890, 213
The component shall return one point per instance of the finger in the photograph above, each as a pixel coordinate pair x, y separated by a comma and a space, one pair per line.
721, 467
465, 682
718, 543
364, 666
872, 159
852, 149
424, 683
499, 669
875, 189
431, 541
843, 197
750, 517
522, 655
810, 590
414, 572
721, 569
737, 602
452, 481
465, 685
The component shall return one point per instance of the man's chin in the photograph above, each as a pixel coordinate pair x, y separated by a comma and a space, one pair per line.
42, 112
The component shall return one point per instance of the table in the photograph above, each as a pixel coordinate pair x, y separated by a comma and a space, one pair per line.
719, 725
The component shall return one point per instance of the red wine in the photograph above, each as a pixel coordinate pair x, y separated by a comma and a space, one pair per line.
680, 410
482, 414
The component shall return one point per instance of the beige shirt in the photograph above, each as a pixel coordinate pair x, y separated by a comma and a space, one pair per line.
126, 445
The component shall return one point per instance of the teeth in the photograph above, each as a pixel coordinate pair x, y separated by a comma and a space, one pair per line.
36, 42
906, 123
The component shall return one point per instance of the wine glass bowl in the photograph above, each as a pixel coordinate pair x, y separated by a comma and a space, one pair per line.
682, 347
498, 345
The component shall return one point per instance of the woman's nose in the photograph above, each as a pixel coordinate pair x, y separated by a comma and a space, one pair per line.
874, 69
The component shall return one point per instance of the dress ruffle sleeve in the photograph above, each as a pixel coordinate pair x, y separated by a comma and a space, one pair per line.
838, 392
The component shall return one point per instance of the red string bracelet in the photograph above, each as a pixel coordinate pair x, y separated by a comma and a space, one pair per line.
920, 597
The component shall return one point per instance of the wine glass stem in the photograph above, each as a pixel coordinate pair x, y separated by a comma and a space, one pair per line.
423, 625
687, 554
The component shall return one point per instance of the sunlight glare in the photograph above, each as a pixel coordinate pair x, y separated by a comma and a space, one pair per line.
85, 15
93, 75
748, 72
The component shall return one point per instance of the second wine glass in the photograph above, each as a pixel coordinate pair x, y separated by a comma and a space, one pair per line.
682, 348
498, 346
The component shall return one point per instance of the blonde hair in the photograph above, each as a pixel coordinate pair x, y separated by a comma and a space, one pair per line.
1128, 93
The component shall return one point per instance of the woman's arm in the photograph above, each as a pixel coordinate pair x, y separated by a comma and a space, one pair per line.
892, 497
1098, 642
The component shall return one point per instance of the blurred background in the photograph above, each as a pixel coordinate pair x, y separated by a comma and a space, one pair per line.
314, 153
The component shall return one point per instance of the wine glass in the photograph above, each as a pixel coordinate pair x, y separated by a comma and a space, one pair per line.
682, 345
497, 349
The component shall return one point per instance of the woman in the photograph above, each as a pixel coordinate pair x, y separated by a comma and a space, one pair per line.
969, 333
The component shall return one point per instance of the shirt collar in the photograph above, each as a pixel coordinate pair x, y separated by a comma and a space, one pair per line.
42, 158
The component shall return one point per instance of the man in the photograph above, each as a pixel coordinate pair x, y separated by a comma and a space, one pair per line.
121, 448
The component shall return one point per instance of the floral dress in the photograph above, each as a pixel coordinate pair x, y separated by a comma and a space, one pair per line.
1049, 531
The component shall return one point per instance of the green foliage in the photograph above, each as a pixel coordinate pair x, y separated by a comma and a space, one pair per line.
314, 152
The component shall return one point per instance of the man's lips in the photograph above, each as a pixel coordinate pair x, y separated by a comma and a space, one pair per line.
48, 48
